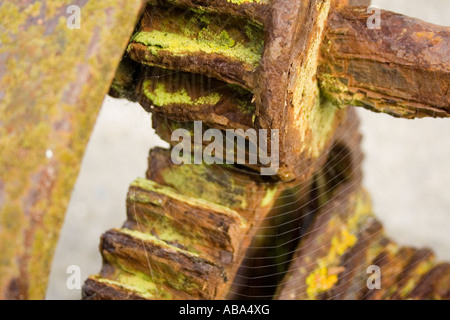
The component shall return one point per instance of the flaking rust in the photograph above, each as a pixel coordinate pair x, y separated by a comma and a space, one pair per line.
402, 70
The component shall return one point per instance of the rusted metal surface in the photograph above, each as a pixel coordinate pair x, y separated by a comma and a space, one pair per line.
401, 69
275, 61
52, 82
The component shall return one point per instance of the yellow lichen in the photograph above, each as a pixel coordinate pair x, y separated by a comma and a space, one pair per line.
340, 244
319, 281
269, 196
239, 2
325, 275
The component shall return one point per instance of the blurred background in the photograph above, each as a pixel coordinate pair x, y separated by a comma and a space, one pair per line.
407, 172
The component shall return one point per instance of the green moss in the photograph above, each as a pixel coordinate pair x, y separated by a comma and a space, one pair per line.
167, 232
137, 285
162, 226
164, 273
160, 97
183, 33
269, 196
255, 35
238, 89
180, 45
154, 187
245, 106
144, 198
332, 84
145, 286
161, 276
197, 181
222, 39
151, 238
321, 123
137, 281
243, 99
239, 2
335, 91
200, 10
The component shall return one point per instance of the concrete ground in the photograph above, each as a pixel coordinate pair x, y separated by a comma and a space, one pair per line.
406, 171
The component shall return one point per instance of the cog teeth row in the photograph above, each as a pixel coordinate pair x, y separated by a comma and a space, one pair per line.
246, 193
179, 269
180, 242
170, 273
